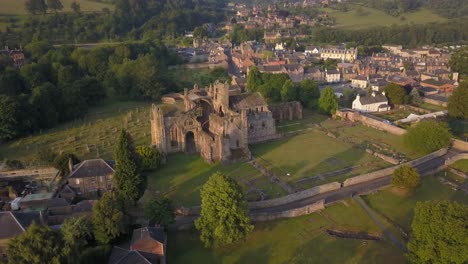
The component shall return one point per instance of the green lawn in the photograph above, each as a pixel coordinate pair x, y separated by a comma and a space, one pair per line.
432, 107
17, 7
90, 137
183, 176
461, 165
394, 115
295, 240
370, 17
398, 204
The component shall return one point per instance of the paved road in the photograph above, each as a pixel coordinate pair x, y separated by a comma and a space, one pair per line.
343, 193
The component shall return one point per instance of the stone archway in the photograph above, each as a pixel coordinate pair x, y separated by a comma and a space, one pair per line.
190, 146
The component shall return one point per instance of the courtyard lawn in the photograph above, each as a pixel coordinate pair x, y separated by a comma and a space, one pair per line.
360, 17
92, 136
309, 118
461, 165
294, 240
311, 153
398, 204
394, 115
183, 176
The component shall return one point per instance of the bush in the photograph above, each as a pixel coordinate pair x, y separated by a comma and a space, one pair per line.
427, 136
150, 158
96, 255
61, 162
406, 177
14, 164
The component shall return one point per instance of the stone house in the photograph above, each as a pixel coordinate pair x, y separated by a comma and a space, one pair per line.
91, 177
148, 245
443, 86
16, 55
339, 53
359, 81
332, 76
313, 73
373, 103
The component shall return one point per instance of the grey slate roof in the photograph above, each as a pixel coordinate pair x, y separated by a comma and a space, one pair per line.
152, 233
378, 98
92, 168
15, 223
246, 100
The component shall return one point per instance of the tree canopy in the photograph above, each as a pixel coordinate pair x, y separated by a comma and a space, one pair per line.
224, 216
110, 218
427, 136
76, 232
129, 181
458, 102
395, 94
150, 157
161, 211
406, 177
37, 245
439, 233
328, 103
459, 61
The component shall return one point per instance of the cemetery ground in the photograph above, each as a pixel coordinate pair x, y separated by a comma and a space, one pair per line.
305, 240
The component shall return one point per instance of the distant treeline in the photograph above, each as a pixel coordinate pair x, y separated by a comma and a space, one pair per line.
446, 8
407, 35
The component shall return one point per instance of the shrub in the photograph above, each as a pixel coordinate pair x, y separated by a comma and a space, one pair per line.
406, 177
427, 136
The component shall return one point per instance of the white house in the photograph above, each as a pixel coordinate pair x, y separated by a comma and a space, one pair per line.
373, 103
332, 76
312, 50
359, 81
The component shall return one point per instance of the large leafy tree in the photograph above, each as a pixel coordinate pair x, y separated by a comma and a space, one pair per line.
110, 218
161, 212
406, 177
459, 61
439, 233
150, 157
289, 91
38, 245
395, 94
76, 232
458, 102
36, 6
128, 180
61, 162
55, 5
254, 79
9, 113
328, 103
309, 94
427, 136
224, 216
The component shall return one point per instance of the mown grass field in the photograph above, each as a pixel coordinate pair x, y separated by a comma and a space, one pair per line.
461, 165
183, 176
370, 17
295, 240
93, 136
17, 7
432, 107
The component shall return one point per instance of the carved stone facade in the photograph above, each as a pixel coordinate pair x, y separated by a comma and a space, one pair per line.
217, 122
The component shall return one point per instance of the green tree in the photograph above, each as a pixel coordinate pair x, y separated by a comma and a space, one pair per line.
38, 245
99, 254
61, 162
9, 113
427, 136
328, 103
36, 7
150, 157
458, 102
288, 91
55, 5
439, 233
75, 7
161, 212
201, 32
395, 94
309, 94
415, 97
128, 180
459, 61
76, 232
254, 79
406, 177
110, 218
45, 99
90, 90
224, 217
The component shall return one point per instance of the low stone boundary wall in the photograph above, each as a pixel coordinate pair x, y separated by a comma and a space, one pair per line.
295, 196
434, 102
456, 158
459, 144
388, 171
370, 121
29, 172
305, 210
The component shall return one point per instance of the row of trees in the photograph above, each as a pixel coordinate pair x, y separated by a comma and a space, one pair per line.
40, 6
60, 84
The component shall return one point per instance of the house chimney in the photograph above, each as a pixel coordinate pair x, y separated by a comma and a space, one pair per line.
70, 165
373, 94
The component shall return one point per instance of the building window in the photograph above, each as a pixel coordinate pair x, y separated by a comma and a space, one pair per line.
77, 181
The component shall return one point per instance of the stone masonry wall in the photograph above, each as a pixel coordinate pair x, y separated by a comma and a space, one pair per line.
305, 210
369, 121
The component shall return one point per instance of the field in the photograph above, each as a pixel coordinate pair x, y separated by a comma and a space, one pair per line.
183, 176
302, 240
90, 137
461, 165
432, 107
360, 17
16, 7
295, 240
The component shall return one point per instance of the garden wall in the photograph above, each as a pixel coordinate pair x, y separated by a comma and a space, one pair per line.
388, 171
434, 102
370, 121
29, 172
295, 196
305, 210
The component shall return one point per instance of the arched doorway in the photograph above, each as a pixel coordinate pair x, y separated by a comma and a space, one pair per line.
190, 143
